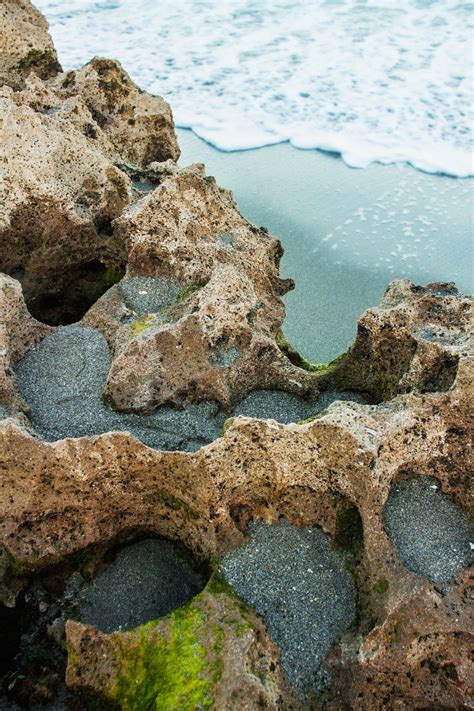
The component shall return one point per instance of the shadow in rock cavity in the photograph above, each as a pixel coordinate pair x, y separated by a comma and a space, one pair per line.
115, 590
54, 302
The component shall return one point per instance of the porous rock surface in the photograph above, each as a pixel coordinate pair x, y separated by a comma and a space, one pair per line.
410, 639
67, 147
408, 342
25, 45
69, 206
219, 341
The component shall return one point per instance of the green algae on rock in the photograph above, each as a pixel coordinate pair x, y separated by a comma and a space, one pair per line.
213, 652
164, 673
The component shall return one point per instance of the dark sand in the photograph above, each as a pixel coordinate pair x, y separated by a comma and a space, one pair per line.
432, 534
62, 380
295, 580
63, 377
146, 580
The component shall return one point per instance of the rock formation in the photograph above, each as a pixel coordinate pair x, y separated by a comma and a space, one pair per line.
100, 227
25, 45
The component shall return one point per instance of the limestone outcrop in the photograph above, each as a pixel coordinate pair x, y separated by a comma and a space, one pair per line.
58, 197
70, 148
218, 340
182, 296
336, 472
25, 45
408, 342
139, 127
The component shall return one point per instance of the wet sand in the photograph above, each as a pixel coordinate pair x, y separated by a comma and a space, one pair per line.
346, 232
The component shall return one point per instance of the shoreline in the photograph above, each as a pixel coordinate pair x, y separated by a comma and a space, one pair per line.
343, 151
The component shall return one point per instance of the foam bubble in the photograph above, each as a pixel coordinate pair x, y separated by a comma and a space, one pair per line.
373, 81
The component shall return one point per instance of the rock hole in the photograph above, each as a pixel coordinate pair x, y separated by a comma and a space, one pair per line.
349, 533
68, 304
113, 590
301, 587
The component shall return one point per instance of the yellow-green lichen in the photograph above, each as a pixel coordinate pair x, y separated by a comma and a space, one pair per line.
312, 418
112, 276
218, 644
300, 361
17, 567
141, 324
165, 673
72, 658
217, 585
226, 426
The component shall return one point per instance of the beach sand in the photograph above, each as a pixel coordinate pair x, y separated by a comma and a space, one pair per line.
346, 232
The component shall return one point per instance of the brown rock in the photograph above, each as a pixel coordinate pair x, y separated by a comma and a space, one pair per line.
18, 333
335, 472
60, 185
68, 213
139, 126
25, 44
58, 196
219, 343
413, 340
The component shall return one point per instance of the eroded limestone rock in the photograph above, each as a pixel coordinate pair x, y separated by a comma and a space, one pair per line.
19, 331
58, 196
25, 44
90, 188
138, 125
413, 340
336, 472
70, 148
218, 342
212, 652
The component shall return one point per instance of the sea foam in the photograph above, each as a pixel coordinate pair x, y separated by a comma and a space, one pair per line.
372, 80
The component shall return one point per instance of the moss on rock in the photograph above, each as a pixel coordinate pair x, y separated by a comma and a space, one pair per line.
165, 673
186, 293
381, 586
300, 361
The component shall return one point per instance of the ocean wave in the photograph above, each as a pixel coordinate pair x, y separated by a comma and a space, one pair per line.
369, 79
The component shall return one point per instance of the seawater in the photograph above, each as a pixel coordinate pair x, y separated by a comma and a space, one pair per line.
373, 80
